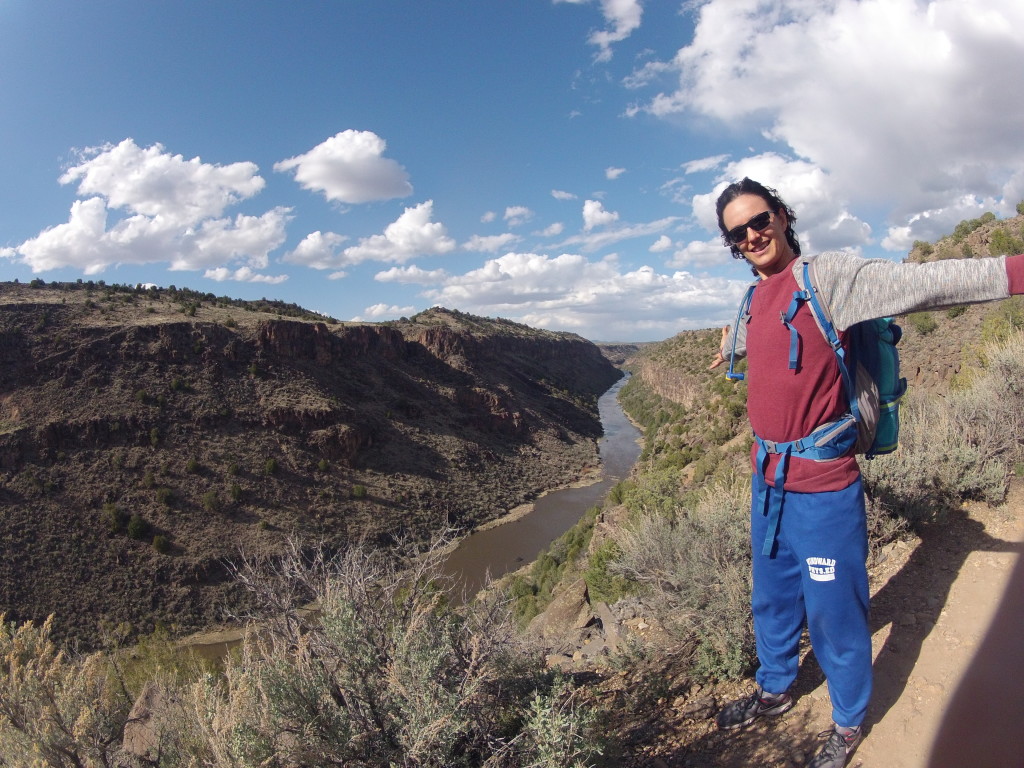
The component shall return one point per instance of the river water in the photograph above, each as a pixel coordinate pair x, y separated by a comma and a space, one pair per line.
509, 546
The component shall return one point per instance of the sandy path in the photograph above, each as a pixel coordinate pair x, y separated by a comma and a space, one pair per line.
949, 647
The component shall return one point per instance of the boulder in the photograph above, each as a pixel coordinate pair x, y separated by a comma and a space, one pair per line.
568, 613
146, 722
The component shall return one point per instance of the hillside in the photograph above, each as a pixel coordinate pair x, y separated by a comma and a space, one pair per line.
148, 434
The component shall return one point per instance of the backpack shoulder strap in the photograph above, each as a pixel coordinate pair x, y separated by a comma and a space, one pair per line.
803, 270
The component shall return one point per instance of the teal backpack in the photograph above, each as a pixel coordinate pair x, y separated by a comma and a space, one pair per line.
871, 378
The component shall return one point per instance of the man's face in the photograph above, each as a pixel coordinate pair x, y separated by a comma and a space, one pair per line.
765, 248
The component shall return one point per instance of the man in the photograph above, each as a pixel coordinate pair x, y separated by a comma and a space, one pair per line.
810, 535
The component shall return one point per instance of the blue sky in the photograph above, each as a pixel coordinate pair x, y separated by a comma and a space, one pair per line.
555, 163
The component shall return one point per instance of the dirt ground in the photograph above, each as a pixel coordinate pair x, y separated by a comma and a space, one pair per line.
947, 615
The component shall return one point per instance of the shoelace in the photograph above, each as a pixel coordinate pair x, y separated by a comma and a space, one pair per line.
837, 745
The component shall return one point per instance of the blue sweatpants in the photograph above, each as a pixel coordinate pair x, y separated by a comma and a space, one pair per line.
816, 573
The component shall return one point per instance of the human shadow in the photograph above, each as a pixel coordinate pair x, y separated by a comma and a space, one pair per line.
912, 600
986, 708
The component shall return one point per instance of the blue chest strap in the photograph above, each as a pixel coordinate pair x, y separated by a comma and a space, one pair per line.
827, 442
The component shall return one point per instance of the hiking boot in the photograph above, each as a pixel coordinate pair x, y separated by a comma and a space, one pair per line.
742, 712
837, 748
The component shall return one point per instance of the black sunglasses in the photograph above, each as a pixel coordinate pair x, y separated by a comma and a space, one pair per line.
737, 235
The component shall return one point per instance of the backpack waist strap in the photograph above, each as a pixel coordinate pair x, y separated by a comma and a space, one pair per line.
826, 443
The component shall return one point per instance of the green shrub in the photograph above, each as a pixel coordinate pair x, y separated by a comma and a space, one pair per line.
154, 436
236, 492
161, 544
359, 492
694, 570
961, 447
954, 312
59, 708
602, 584
112, 517
270, 467
192, 466
165, 496
1003, 242
923, 322
1003, 320
137, 528
455, 689
211, 501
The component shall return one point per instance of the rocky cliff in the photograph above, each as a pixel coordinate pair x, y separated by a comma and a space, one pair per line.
145, 440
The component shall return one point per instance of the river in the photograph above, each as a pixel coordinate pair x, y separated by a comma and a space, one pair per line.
506, 547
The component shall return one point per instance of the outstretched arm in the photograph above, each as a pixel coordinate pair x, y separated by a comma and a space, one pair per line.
719, 358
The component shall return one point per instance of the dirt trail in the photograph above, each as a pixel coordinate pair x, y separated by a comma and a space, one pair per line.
947, 620
949, 652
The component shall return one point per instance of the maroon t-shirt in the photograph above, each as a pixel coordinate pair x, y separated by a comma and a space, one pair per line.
786, 404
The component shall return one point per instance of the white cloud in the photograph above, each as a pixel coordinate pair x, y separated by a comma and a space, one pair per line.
596, 299
595, 215
592, 241
704, 164
164, 187
702, 254
661, 245
379, 312
559, 194
488, 217
622, 17
172, 214
613, 173
490, 243
318, 250
552, 230
931, 225
411, 275
517, 214
243, 275
349, 167
248, 238
412, 234
915, 122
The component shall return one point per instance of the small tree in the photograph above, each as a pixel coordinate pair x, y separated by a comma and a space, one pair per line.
137, 528
112, 517
923, 322
211, 501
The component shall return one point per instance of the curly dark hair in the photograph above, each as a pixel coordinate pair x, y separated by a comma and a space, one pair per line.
770, 196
